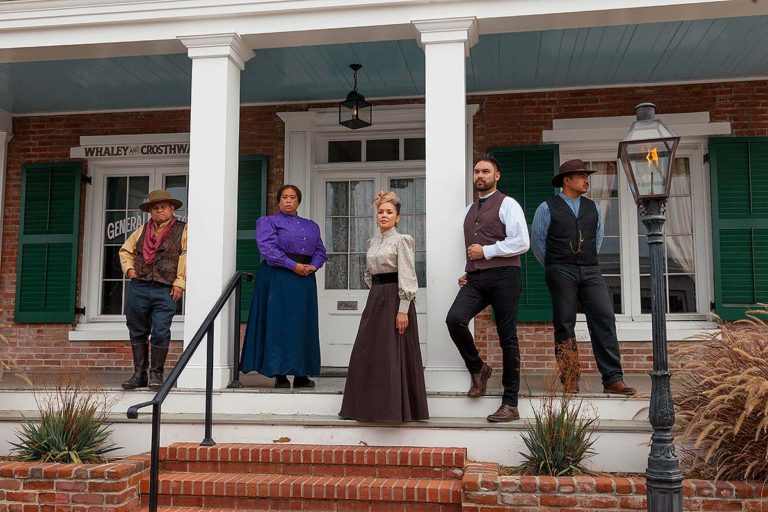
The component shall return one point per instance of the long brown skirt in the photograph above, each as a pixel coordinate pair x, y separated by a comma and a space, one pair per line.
385, 381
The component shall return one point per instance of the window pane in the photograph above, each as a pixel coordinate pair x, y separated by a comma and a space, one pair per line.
336, 272
138, 191
356, 271
679, 254
337, 198
645, 294
117, 192
610, 262
112, 269
415, 149
361, 198
345, 151
412, 218
112, 298
176, 185
421, 268
679, 216
645, 261
681, 177
614, 291
682, 294
337, 234
604, 183
382, 150
609, 210
361, 231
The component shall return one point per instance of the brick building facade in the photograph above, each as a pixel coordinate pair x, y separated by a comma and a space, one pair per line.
514, 119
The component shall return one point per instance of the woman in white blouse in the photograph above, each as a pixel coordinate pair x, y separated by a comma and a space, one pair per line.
385, 381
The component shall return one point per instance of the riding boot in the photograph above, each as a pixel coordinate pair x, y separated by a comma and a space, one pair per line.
140, 363
157, 357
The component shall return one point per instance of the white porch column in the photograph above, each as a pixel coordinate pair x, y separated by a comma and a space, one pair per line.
446, 45
217, 61
6, 126
298, 155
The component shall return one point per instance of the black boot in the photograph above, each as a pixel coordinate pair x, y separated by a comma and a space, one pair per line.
281, 381
158, 356
140, 363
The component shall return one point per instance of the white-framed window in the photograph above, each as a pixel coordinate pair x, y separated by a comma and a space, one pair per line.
117, 191
624, 253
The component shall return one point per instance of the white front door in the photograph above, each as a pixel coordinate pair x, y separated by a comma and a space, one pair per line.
344, 210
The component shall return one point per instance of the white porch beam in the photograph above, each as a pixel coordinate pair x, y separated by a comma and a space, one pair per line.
59, 29
217, 61
446, 44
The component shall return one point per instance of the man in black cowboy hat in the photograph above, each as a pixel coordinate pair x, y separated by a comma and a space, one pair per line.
566, 235
154, 258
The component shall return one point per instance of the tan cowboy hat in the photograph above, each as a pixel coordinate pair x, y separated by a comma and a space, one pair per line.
160, 196
569, 167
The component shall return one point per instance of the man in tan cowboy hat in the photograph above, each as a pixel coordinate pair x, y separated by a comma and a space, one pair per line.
566, 235
154, 258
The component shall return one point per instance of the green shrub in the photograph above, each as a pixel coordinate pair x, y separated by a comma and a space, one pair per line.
559, 441
72, 428
721, 401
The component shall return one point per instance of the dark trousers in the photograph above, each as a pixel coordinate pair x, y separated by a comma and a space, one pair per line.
573, 284
499, 288
149, 307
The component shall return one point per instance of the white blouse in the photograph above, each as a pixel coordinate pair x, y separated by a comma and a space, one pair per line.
393, 252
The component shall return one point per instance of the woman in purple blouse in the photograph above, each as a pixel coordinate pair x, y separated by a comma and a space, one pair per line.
282, 336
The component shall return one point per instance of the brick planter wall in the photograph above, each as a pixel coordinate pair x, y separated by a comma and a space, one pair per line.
484, 490
41, 487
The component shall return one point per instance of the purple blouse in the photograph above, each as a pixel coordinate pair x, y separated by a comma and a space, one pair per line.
281, 234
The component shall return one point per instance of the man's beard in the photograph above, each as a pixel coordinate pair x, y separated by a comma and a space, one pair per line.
486, 186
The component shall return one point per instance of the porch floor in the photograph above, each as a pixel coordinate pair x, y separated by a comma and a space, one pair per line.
331, 381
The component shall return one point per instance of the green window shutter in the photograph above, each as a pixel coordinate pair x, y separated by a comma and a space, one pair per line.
251, 204
526, 173
739, 183
46, 271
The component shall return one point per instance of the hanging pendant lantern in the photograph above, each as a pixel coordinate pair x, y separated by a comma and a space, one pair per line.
355, 112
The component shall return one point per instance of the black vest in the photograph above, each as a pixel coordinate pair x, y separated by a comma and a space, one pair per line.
570, 239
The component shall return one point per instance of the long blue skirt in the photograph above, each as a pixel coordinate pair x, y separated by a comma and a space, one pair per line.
282, 336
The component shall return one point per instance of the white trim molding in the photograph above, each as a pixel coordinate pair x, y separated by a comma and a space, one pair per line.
218, 45
455, 30
590, 129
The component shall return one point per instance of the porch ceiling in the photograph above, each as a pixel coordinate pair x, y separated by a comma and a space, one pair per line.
727, 48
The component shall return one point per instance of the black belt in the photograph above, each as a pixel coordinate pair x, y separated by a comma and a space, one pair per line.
388, 277
300, 258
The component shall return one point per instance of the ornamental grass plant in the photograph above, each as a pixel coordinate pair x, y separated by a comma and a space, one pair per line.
721, 401
560, 437
9, 364
73, 425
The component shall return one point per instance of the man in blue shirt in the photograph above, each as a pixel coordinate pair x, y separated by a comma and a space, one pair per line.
566, 235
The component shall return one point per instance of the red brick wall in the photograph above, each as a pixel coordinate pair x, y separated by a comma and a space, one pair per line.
503, 120
46, 487
483, 490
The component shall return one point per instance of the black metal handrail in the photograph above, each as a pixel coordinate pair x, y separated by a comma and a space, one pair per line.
206, 329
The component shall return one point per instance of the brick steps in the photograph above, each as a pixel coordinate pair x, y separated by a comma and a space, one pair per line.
383, 462
308, 477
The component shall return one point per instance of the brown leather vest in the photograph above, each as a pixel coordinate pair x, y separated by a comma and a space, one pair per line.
483, 226
166, 264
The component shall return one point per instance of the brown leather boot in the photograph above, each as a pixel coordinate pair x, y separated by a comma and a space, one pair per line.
567, 357
619, 388
505, 413
480, 382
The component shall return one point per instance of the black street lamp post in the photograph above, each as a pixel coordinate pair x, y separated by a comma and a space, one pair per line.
647, 154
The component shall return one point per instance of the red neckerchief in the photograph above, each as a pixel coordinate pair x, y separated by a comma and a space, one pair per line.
153, 241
